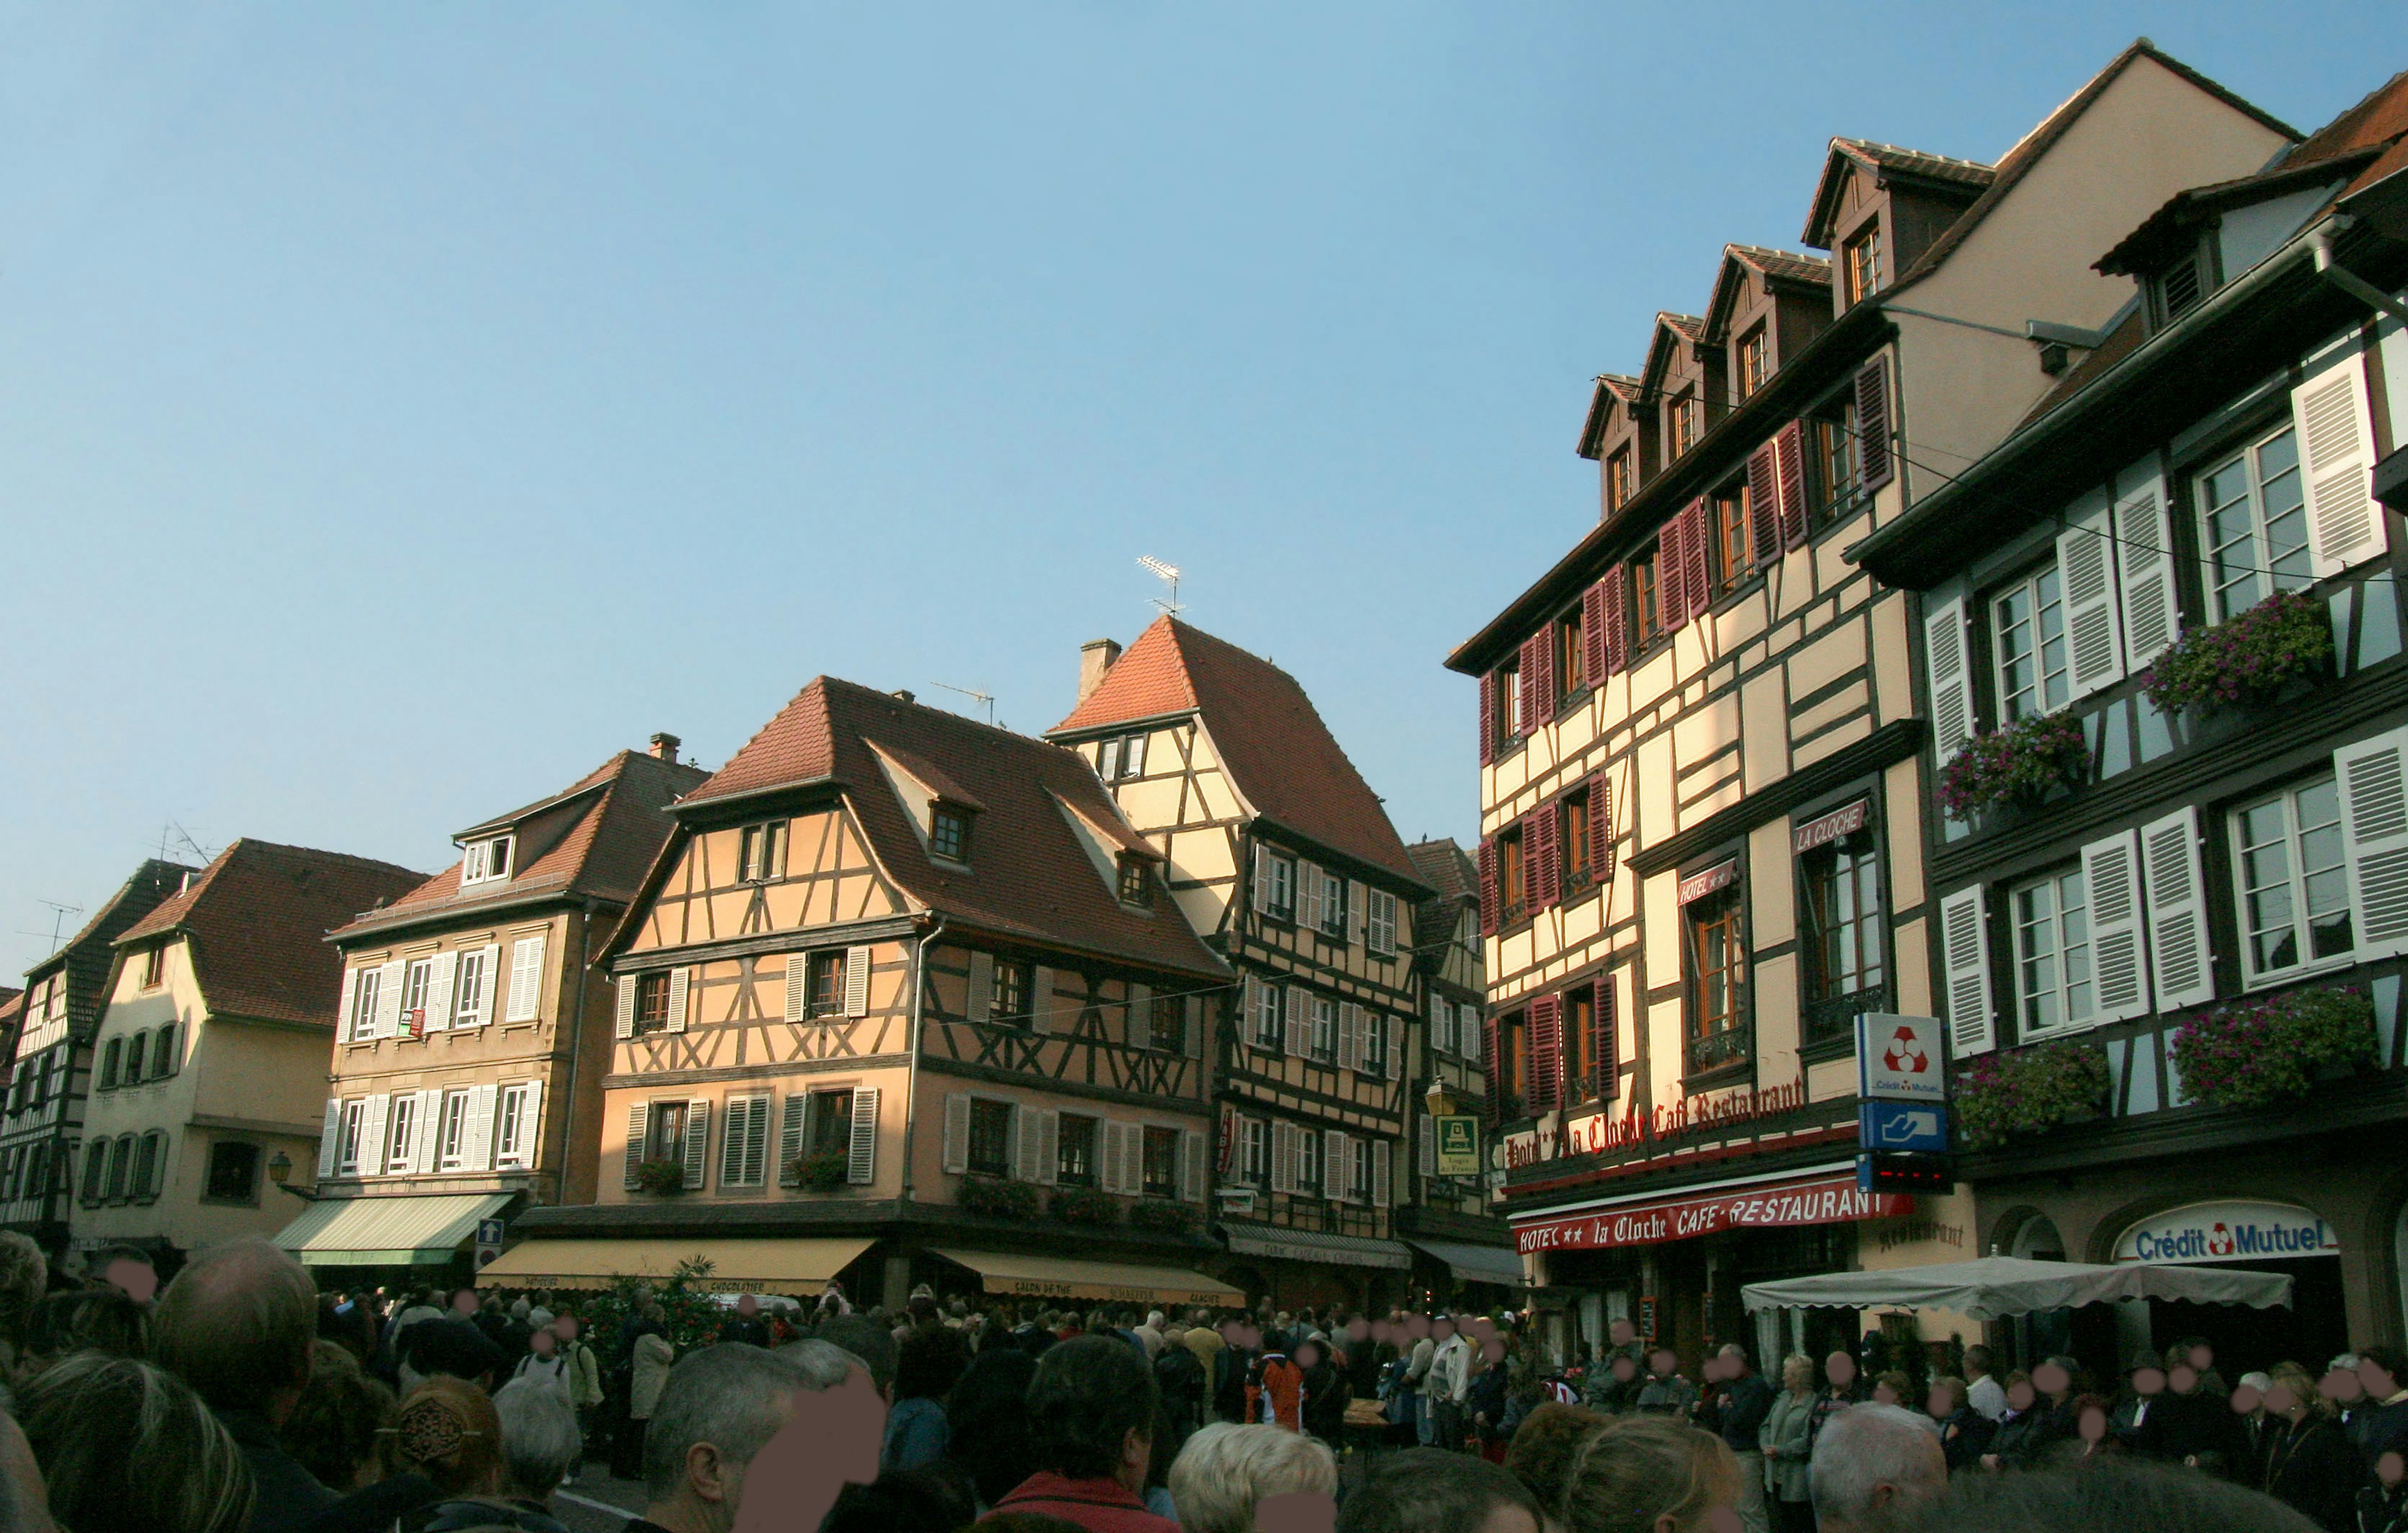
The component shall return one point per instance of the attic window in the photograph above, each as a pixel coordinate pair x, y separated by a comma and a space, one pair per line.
487, 862
949, 832
1121, 759
2179, 289
1133, 879
1751, 362
155, 967
1862, 265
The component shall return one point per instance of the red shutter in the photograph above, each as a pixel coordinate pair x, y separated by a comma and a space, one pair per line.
1764, 503
1488, 716
1671, 559
1487, 888
1533, 656
1697, 578
1617, 622
1593, 631
1792, 443
1550, 691
1609, 1064
1547, 1055
1491, 1037
1538, 856
1873, 426
1600, 828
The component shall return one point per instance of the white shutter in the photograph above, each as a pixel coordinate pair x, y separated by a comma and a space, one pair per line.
1040, 999
1194, 1040
1333, 1164
982, 997
1262, 879
1124, 1141
1024, 1143
957, 1132
1350, 1036
1468, 1030
476, 1155
681, 981
1250, 1025
2336, 460
1049, 1146
439, 991
1383, 1188
388, 1009
372, 1122
1297, 1035
1107, 1169
2086, 570
426, 1150
2144, 569
343, 1005
1191, 1165
790, 1138
1426, 1151
1952, 686
526, 979
2177, 910
799, 986
1140, 1016
856, 982
2374, 774
757, 1144
531, 1123
732, 1134
697, 1141
330, 1138
2111, 871
1396, 1047
1311, 895
624, 1024
1282, 1157
1965, 948
638, 1121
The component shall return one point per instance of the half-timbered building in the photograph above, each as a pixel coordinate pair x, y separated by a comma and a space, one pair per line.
1279, 853
1704, 781
904, 999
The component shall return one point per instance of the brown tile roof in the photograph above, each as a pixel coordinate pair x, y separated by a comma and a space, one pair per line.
1276, 751
256, 920
1785, 265
1621, 386
595, 837
1445, 867
1775, 266
1030, 877
1915, 161
1687, 326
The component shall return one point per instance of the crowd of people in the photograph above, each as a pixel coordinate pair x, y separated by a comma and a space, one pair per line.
240, 1399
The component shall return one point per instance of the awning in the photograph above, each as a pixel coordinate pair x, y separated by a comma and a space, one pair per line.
1304, 1245
1070, 1277
800, 1266
1763, 1205
1992, 1288
398, 1231
1476, 1263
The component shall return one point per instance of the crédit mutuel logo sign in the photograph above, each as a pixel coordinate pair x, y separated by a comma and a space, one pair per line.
2228, 1232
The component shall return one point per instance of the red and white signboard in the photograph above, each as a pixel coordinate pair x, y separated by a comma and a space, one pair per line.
1699, 885
1826, 1200
1901, 1059
1831, 827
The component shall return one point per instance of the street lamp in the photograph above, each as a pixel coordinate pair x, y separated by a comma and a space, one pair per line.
1441, 1105
281, 1167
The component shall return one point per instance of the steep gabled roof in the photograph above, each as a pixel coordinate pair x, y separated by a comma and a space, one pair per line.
1886, 163
594, 839
1276, 751
1446, 867
1775, 266
1028, 879
255, 923
1612, 388
1671, 330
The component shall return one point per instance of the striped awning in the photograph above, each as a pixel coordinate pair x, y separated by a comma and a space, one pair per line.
395, 1231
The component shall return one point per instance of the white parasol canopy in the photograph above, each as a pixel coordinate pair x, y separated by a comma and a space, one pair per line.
1992, 1288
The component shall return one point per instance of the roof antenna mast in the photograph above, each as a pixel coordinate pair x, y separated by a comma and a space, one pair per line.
984, 699
1168, 575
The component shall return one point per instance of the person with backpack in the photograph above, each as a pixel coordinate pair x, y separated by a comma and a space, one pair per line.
1179, 1376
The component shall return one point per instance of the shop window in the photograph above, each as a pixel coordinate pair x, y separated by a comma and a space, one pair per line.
1161, 1163
2294, 888
990, 1135
1717, 981
761, 851
1571, 655
2254, 525
1074, 1164
1734, 560
1845, 941
2052, 917
828, 1124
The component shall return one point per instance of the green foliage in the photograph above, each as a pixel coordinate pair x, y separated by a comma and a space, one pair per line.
661, 1176
2245, 659
2018, 763
1087, 1206
2271, 1050
824, 1172
1159, 1217
691, 1317
2025, 1090
999, 1199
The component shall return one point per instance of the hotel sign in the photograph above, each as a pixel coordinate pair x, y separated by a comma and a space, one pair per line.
1699, 885
1821, 1201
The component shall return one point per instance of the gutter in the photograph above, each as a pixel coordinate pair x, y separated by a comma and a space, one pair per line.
576, 1047
911, 1081
2333, 271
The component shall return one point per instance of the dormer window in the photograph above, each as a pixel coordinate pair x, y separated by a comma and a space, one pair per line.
761, 851
2178, 290
949, 833
487, 862
1122, 758
1754, 361
1133, 883
1681, 426
1618, 483
1860, 263
155, 967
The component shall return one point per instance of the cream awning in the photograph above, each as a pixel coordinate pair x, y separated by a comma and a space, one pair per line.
396, 1231
1067, 1277
797, 1266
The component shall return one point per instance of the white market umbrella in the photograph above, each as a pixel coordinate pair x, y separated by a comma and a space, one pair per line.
1993, 1287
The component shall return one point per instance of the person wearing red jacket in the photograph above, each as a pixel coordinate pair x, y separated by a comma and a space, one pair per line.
1091, 1412
1275, 1392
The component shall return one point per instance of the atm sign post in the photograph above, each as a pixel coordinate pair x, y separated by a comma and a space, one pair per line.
1901, 1059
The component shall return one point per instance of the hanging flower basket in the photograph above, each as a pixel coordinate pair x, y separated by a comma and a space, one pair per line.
2257, 1054
2018, 765
2245, 659
2027, 1091
661, 1176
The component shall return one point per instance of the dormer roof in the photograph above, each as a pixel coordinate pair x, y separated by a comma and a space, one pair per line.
1671, 332
1886, 164
1778, 267
1611, 389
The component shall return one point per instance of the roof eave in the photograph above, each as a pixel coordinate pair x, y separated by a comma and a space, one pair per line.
696, 807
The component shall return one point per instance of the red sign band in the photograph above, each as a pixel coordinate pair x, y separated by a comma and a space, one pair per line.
1824, 1201
1831, 826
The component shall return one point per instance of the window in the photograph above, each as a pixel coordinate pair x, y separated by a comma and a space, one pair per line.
1375, 1045
514, 1118
1358, 1170
1511, 877
111, 1056
761, 851
1579, 839
365, 985
164, 1058
1308, 1161
1505, 702
1645, 605
1074, 1164
1325, 1028
1862, 265
486, 862
2294, 888
2053, 952
1167, 1022
233, 1172
2178, 288
469, 988
149, 1166
1734, 558
831, 1123
2252, 520
990, 1136
1718, 981
1831, 449
1587, 1053
1380, 925
121, 1164
451, 1147
1160, 1159
2029, 619
346, 1144
155, 967
1618, 483
949, 832
1254, 1151
1843, 918
402, 1125
826, 990
1571, 655
1119, 759
96, 1171
664, 1131
1280, 880
652, 1001
1681, 425
1752, 359
1333, 904
1267, 1014
1011, 987
416, 980
1133, 881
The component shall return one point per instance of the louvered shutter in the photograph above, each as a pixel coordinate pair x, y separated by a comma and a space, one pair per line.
1487, 717
1333, 1164
1965, 952
1191, 1165
697, 1141
530, 1123
2144, 569
681, 983
1601, 827
1672, 575
1593, 645
2176, 897
1545, 876
861, 1161
1262, 879
438, 992
1790, 445
1952, 686
1467, 1029
1764, 503
526, 979
1297, 1028
488, 968
1534, 699
757, 1144
1873, 467
981, 1000
1350, 1037
343, 1004
1108, 1156
790, 1138
1024, 1143
731, 1141
1546, 1054
623, 1024
1283, 1157
2336, 460
1140, 1032
1496, 1092
2111, 872
330, 1138
1696, 571
1617, 620
388, 1009
638, 1121
1040, 999
1488, 888
1049, 1146
1396, 1049
2085, 574
799, 986
372, 1126
1382, 1193
1311, 896
1195, 1027
2373, 775
1609, 1047
856, 982
425, 1149
1426, 1147
476, 1154
957, 1132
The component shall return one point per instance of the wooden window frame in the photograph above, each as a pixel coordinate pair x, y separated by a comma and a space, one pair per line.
2032, 583
1619, 484
1835, 467
1512, 878
651, 1001
1716, 1039
949, 832
1507, 725
1078, 1146
1167, 1022
1860, 262
1571, 656
1853, 861
154, 965
990, 1109
1133, 884
1646, 601
1577, 839
1582, 1055
761, 851
1512, 1065
1158, 1145
1734, 551
1755, 351
1013, 980
665, 1128
2257, 548
823, 984
828, 1122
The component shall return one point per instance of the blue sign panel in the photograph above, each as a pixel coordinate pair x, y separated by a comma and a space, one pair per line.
1902, 1125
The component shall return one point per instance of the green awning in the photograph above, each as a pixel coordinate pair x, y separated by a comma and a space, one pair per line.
398, 1231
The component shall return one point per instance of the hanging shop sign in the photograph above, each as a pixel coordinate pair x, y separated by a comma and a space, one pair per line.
1831, 827
2232, 1231
1699, 885
1458, 1146
1901, 1059
1828, 1200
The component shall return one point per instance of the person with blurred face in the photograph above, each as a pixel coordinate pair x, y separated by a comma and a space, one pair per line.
1839, 1393
1964, 1432
2009, 1443
2311, 1465
1665, 1393
1448, 1380
2131, 1413
2382, 1425
1876, 1468
2382, 1505
2253, 1425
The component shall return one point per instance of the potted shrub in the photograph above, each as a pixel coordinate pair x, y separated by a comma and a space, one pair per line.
998, 1198
2028, 1090
2244, 660
2018, 765
661, 1176
825, 1172
1159, 1217
1087, 1206
2256, 1054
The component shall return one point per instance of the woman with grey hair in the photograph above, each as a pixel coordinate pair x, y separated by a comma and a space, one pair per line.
1225, 1468
130, 1448
540, 1438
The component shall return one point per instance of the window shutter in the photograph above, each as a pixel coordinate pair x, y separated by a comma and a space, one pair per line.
426, 1148
1311, 896
1546, 1054
1545, 877
1672, 574
388, 1009
1108, 1156
1488, 1051
624, 1024
1133, 1159
1764, 503
487, 971
981, 999
681, 981
1040, 999
1965, 947
1195, 1027
1262, 879
2373, 776
1024, 1143
343, 1004
1696, 573
530, 1123
799, 986
1333, 1164
790, 1139
1616, 625
1609, 1047
856, 981
861, 1163
439, 991
1350, 1036
1487, 717
1282, 1157
1139, 1031
476, 1155
330, 1138
1534, 708
757, 1144
1487, 888
2336, 460
2085, 572
1601, 827
1952, 688
1049, 1146
1298, 1037
697, 1141
372, 1123
1790, 445
1872, 426
2177, 910
2111, 872
526, 979
1426, 1148
638, 1120
1191, 1165
957, 1131
1467, 1028
1381, 1193
1593, 645
2145, 568
1394, 1051
731, 1141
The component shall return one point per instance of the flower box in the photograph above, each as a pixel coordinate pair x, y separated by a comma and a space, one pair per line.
998, 1199
2257, 1054
2018, 765
1160, 1218
2247, 659
2028, 1090
824, 1172
1087, 1206
661, 1176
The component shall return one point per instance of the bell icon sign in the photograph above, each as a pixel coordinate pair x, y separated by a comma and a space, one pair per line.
1900, 1059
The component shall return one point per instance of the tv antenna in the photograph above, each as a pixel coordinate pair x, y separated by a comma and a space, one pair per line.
1168, 575
984, 699
174, 836
58, 914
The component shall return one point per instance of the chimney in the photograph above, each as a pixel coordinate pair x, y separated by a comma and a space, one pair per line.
665, 747
1096, 658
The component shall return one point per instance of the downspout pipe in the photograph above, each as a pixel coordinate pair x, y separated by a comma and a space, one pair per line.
2333, 271
575, 1046
911, 1081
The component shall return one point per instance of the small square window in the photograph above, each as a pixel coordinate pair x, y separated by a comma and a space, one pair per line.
233, 1171
949, 833
1134, 883
486, 861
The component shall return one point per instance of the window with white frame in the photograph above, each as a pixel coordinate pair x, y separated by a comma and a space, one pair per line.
2052, 917
1254, 1151
1333, 903
2294, 886
468, 980
2027, 622
486, 862
1380, 928
347, 1152
366, 983
416, 980
2253, 526
452, 1148
1325, 1028
1375, 1044
1358, 1170
1277, 884
1308, 1160
1267, 1015
401, 1132
514, 1125
1121, 757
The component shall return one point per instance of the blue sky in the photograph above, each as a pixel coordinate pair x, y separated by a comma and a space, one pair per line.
403, 406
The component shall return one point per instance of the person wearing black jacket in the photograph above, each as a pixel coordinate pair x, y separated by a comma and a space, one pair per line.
2382, 1505
1965, 1433
2188, 1424
1747, 1400
2311, 1466
1324, 1395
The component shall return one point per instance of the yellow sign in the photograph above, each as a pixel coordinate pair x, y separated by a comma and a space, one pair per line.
1458, 1146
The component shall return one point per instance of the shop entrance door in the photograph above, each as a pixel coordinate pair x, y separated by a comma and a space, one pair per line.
2311, 1332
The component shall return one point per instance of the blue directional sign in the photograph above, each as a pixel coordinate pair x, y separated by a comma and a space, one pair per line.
1902, 1126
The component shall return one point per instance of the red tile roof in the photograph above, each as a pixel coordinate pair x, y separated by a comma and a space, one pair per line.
1272, 742
1789, 264
1446, 867
256, 920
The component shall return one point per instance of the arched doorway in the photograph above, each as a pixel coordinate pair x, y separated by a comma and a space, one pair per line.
2048, 1332
2260, 1237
